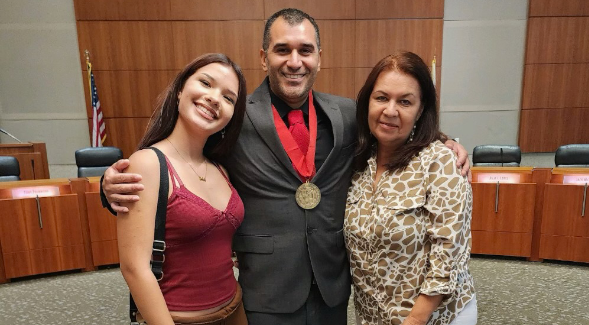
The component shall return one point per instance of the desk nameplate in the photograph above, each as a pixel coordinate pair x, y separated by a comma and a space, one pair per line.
576, 179
508, 178
37, 191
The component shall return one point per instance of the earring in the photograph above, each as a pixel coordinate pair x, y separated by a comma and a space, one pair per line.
412, 134
223, 133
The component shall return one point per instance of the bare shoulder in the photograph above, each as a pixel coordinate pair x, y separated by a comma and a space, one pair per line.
145, 163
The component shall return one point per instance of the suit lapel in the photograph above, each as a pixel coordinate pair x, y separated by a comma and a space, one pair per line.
337, 124
259, 111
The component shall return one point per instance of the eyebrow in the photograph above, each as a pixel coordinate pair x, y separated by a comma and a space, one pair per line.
384, 92
311, 45
213, 79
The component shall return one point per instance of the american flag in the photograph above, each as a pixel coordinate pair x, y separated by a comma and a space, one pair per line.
98, 127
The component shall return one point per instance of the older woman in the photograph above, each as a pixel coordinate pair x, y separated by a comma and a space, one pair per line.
407, 226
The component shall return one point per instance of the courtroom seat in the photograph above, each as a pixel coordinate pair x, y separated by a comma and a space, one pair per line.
9, 169
491, 155
572, 156
94, 161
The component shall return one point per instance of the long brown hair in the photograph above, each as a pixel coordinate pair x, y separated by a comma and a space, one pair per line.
163, 119
427, 127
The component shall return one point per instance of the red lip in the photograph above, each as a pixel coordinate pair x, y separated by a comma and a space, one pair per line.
208, 108
390, 125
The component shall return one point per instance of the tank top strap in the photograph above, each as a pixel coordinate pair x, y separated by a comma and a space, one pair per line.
176, 181
222, 172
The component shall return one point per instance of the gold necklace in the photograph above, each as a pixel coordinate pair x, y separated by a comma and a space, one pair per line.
201, 178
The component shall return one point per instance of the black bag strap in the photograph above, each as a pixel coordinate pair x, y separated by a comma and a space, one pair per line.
159, 244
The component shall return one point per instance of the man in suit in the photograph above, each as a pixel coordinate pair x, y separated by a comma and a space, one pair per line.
292, 259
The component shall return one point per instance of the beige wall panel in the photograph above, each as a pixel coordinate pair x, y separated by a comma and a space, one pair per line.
556, 86
240, 40
377, 38
254, 78
558, 40
337, 43
217, 10
123, 133
122, 9
122, 45
383, 9
326, 9
337, 81
129, 93
539, 132
539, 8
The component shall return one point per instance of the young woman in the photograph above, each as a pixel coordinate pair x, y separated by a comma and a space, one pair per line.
198, 120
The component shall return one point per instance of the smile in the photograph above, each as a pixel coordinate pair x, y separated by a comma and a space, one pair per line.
207, 111
294, 76
388, 125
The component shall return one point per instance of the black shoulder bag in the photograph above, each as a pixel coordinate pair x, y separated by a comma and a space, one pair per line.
159, 245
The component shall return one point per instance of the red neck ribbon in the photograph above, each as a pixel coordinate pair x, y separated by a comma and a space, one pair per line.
303, 163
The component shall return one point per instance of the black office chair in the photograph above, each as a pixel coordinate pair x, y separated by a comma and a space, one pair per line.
572, 155
491, 155
9, 169
94, 161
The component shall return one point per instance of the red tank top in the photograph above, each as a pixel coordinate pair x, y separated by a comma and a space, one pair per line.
198, 270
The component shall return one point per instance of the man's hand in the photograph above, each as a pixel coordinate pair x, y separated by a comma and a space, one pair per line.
117, 185
462, 162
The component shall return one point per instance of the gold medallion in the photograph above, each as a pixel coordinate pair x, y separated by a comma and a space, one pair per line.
308, 196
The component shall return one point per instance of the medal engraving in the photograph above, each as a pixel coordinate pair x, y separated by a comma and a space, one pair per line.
308, 196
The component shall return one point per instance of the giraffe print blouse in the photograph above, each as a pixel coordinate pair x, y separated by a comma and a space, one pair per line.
410, 236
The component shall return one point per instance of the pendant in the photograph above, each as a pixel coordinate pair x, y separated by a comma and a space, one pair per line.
308, 196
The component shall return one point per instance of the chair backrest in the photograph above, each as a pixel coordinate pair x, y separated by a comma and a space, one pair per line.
572, 155
94, 161
9, 169
491, 155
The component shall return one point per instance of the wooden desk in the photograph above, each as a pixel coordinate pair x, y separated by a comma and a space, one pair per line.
42, 234
32, 159
565, 231
503, 213
103, 227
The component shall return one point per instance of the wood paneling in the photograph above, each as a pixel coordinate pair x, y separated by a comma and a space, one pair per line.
386, 9
562, 207
539, 8
556, 247
540, 176
122, 9
337, 43
501, 243
556, 86
219, 10
128, 45
41, 242
124, 133
254, 78
129, 93
580, 251
103, 231
558, 40
326, 9
336, 81
240, 40
544, 130
377, 38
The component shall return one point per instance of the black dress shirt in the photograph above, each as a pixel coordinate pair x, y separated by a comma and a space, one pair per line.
324, 130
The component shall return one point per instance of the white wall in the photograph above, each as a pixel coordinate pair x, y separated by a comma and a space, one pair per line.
41, 94
482, 70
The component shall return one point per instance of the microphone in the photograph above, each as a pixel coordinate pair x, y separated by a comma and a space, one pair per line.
10, 135
501, 152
